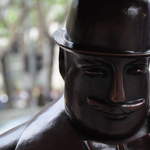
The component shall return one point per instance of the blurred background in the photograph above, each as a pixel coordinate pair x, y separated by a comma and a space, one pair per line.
29, 75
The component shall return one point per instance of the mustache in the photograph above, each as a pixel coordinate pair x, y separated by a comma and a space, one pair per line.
126, 107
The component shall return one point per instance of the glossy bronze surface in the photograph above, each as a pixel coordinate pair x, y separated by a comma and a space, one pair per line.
51, 129
48, 130
9, 140
104, 61
120, 27
107, 96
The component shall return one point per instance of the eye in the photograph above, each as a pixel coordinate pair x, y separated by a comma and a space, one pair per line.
137, 69
99, 72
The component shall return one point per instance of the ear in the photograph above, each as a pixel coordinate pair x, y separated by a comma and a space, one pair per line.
62, 63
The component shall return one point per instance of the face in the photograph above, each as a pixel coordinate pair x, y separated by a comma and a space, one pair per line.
107, 96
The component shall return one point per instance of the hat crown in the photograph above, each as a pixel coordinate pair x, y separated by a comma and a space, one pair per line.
121, 25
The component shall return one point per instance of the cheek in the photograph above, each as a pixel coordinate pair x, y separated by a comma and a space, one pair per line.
136, 86
79, 85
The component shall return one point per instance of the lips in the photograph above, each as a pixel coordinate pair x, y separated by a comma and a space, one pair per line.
116, 111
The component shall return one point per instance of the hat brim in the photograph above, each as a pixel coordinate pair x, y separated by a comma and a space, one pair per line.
60, 38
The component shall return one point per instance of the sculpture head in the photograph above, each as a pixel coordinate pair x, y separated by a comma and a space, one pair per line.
104, 60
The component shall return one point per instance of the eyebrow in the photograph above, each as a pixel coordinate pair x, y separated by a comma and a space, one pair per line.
86, 63
139, 61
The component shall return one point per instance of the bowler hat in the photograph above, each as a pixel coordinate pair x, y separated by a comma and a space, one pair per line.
107, 27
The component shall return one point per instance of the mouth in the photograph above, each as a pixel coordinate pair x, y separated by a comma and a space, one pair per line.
116, 111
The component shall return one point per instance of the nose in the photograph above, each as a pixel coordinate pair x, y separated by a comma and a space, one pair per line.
117, 92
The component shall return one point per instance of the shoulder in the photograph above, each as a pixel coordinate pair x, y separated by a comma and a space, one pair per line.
8, 140
50, 130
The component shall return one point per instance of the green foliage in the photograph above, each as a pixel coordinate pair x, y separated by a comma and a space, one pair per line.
33, 17
54, 11
2, 26
52, 2
4, 32
12, 15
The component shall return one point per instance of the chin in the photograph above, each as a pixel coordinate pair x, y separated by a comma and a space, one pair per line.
108, 138
112, 135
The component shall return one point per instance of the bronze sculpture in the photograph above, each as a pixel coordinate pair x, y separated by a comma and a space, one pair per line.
104, 61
